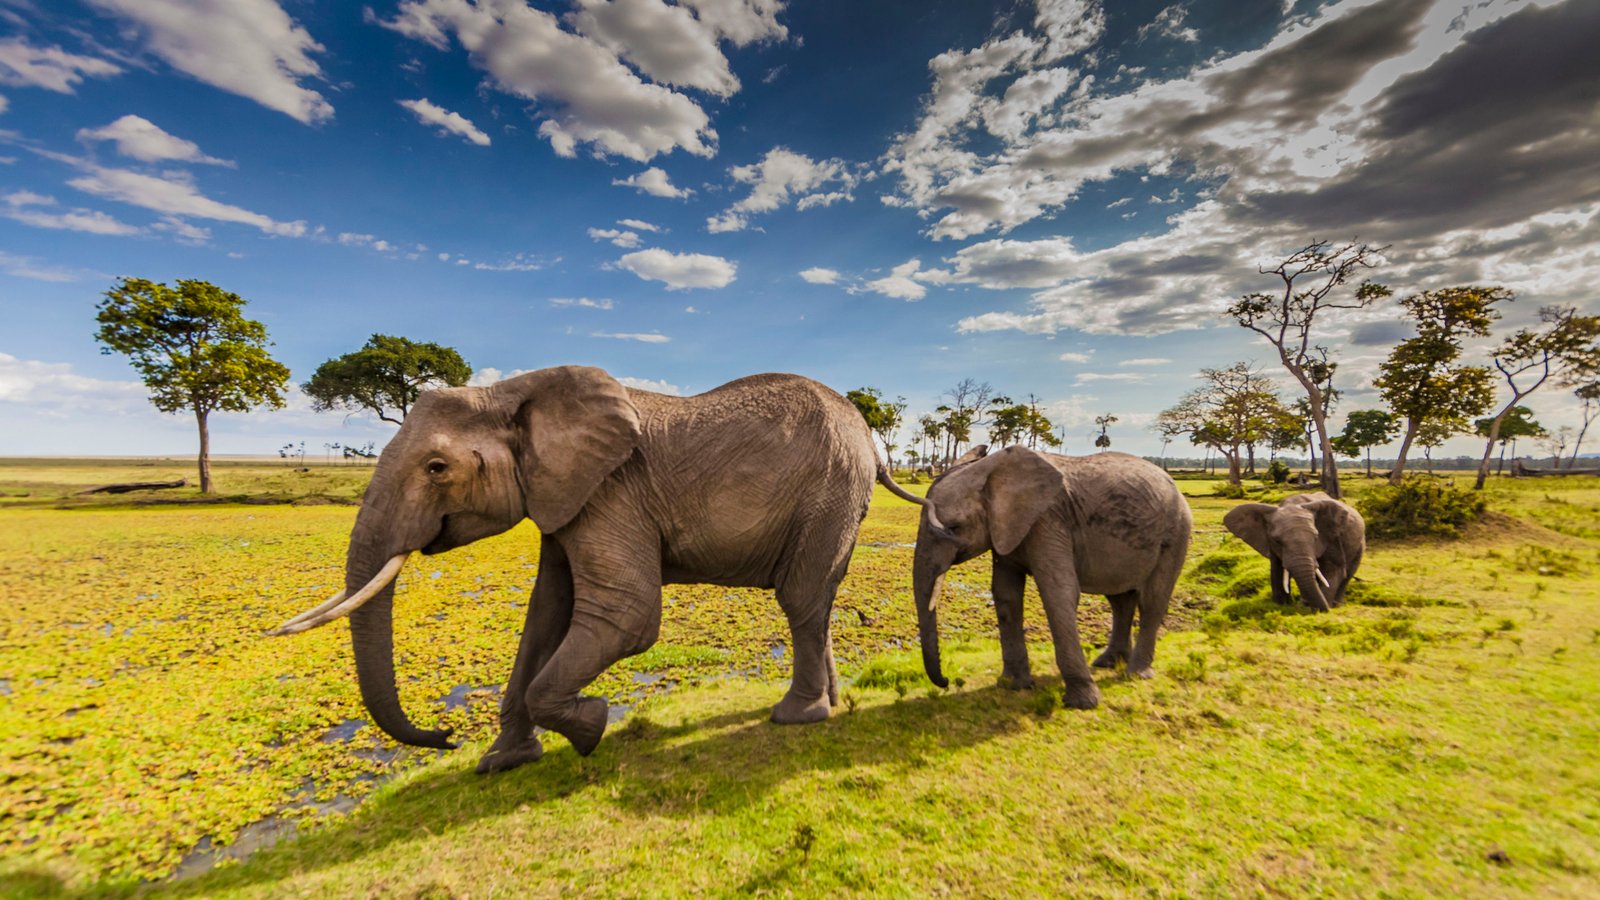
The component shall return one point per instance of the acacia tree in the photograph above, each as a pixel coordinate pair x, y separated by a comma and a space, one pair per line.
1423, 379
1105, 421
1233, 407
967, 401
1518, 423
1310, 276
1590, 395
194, 349
385, 377
883, 418
1565, 347
1365, 429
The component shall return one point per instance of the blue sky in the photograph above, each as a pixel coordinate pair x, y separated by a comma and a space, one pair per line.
1057, 197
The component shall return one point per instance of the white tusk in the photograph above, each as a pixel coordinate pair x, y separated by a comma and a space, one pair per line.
379, 582
332, 602
1322, 578
933, 597
1286, 588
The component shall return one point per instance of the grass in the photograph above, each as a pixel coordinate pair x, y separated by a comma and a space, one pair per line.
1439, 723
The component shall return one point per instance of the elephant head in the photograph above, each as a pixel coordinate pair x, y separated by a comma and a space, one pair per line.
470, 463
985, 502
1298, 536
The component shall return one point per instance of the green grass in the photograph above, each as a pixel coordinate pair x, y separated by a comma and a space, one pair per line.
1443, 715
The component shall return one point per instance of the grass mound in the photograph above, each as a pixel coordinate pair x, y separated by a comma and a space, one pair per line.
1420, 508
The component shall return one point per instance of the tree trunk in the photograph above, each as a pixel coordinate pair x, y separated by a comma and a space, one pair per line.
1233, 466
1330, 465
1250, 449
1488, 450
1578, 444
1412, 424
205, 451
1369, 460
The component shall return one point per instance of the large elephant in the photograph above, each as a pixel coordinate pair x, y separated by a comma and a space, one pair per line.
1108, 524
1313, 538
762, 482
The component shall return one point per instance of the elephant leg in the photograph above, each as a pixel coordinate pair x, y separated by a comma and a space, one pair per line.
549, 613
806, 591
1058, 587
1119, 646
1154, 598
1007, 581
607, 625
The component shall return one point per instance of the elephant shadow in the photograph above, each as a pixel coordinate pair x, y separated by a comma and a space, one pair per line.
724, 759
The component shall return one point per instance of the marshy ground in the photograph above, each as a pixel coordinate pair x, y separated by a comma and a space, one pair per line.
1438, 735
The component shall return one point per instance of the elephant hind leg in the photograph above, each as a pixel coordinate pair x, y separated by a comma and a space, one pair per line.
1119, 648
1154, 598
806, 590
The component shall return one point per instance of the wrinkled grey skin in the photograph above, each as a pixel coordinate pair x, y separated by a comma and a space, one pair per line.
1108, 524
1304, 534
762, 482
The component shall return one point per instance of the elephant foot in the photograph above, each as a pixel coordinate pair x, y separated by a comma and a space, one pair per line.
1080, 695
1145, 672
796, 710
587, 724
1022, 682
1109, 659
501, 759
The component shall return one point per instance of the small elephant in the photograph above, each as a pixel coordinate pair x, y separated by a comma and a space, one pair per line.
762, 482
1109, 524
1313, 538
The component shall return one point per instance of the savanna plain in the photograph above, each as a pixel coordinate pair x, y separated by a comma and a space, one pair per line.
1439, 735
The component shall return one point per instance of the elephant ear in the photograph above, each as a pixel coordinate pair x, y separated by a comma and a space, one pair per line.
1021, 486
1248, 522
973, 455
1334, 520
575, 425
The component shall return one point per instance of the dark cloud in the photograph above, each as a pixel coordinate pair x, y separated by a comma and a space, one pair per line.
1504, 127
1181, 264
1380, 334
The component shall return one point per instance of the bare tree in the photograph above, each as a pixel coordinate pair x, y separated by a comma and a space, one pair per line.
1287, 320
1565, 347
1590, 395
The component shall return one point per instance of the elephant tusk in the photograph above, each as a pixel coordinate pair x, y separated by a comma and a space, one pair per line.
327, 613
934, 593
1286, 588
1322, 578
332, 602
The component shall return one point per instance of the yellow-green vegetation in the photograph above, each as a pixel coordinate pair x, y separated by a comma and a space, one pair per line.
1436, 735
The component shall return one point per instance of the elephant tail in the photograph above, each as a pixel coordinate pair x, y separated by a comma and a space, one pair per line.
887, 480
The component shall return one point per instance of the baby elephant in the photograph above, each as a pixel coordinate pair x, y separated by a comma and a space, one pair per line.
1312, 537
1108, 524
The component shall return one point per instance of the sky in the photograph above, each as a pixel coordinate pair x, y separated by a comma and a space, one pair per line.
1057, 197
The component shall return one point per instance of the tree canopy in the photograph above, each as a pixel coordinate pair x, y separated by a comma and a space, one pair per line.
194, 349
385, 377
883, 417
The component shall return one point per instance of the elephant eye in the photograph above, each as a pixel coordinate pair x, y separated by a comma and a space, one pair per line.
437, 466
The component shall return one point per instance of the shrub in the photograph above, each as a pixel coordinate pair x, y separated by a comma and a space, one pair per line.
1277, 473
1228, 491
1417, 508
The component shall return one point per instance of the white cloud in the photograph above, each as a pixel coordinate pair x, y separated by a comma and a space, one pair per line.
185, 232
4, 103
680, 271
1145, 361
520, 262
627, 240
819, 275
585, 93
1076, 357
247, 47
900, 283
781, 176
741, 21
639, 225
175, 195
1169, 24
653, 337
85, 220
582, 302
1133, 377
653, 181
30, 382
646, 384
145, 141
54, 69
447, 122
666, 43
28, 267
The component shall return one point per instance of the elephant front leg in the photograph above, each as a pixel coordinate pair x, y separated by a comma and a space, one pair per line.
549, 614
1280, 587
1006, 583
1058, 587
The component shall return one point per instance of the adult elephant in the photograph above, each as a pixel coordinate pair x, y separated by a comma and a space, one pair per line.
762, 482
1313, 538
1108, 524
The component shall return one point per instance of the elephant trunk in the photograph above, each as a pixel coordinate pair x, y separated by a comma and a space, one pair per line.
927, 581
1305, 574
372, 640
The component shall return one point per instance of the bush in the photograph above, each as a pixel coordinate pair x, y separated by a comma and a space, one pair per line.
1418, 508
1277, 473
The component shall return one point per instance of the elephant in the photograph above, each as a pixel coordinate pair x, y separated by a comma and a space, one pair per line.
1312, 537
1109, 524
762, 482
